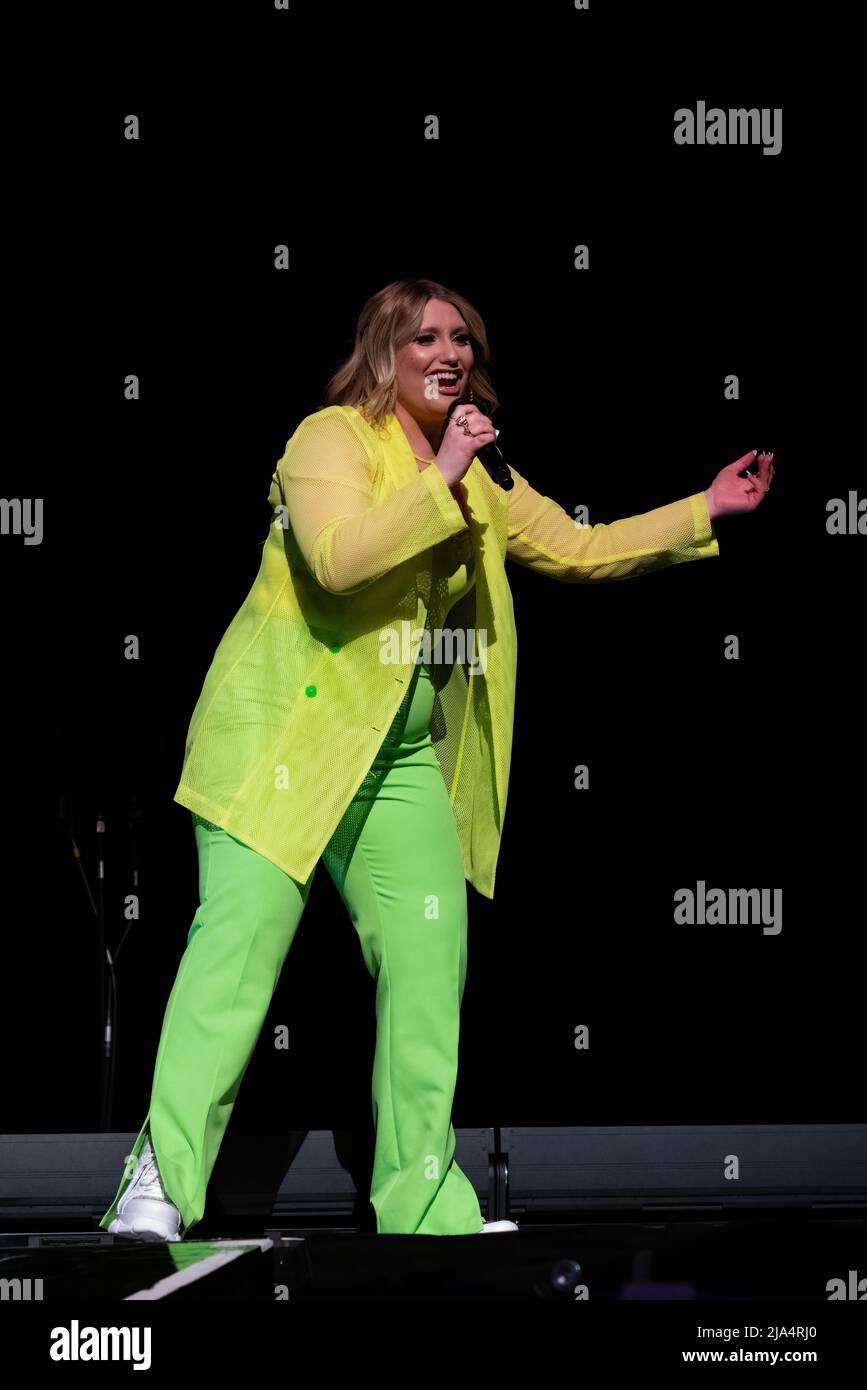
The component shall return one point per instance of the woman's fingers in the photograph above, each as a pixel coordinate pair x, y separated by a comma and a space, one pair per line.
740, 464
762, 462
761, 479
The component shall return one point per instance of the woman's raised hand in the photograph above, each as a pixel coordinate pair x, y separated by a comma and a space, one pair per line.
457, 450
728, 494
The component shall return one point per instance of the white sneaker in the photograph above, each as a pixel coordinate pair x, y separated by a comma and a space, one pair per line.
144, 1210
498, 1226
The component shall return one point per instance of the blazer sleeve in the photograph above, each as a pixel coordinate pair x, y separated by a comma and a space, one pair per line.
347, 539
542, 536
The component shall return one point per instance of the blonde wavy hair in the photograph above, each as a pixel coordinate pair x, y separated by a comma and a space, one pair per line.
390, 319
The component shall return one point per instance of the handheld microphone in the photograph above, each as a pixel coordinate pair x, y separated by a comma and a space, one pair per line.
490, 455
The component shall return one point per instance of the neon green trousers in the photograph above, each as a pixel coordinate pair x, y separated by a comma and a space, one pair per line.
396, 860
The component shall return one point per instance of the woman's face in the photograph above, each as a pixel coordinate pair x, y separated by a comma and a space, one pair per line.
441, 345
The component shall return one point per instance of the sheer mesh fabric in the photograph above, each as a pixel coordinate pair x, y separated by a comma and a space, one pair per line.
298, 701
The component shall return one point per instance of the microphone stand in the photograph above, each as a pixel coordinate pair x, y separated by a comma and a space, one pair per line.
97, 906
134, 820
104, 1005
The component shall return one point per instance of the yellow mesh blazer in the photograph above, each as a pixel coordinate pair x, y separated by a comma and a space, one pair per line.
300, 695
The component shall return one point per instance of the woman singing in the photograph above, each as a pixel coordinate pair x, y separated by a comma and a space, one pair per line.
340, 720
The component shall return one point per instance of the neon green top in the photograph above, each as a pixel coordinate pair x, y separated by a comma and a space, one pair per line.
312, 670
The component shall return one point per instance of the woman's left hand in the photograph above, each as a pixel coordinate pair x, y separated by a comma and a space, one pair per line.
728, 495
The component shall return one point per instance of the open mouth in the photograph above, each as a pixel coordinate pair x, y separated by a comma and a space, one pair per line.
448, 383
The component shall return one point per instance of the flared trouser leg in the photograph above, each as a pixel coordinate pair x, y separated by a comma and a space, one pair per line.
405, 891
247, 918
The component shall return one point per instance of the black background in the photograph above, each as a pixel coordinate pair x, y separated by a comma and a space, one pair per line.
156, 258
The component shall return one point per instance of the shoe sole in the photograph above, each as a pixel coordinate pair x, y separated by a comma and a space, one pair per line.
117, 1228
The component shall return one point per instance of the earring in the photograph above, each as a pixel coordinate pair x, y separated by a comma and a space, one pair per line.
471, 393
